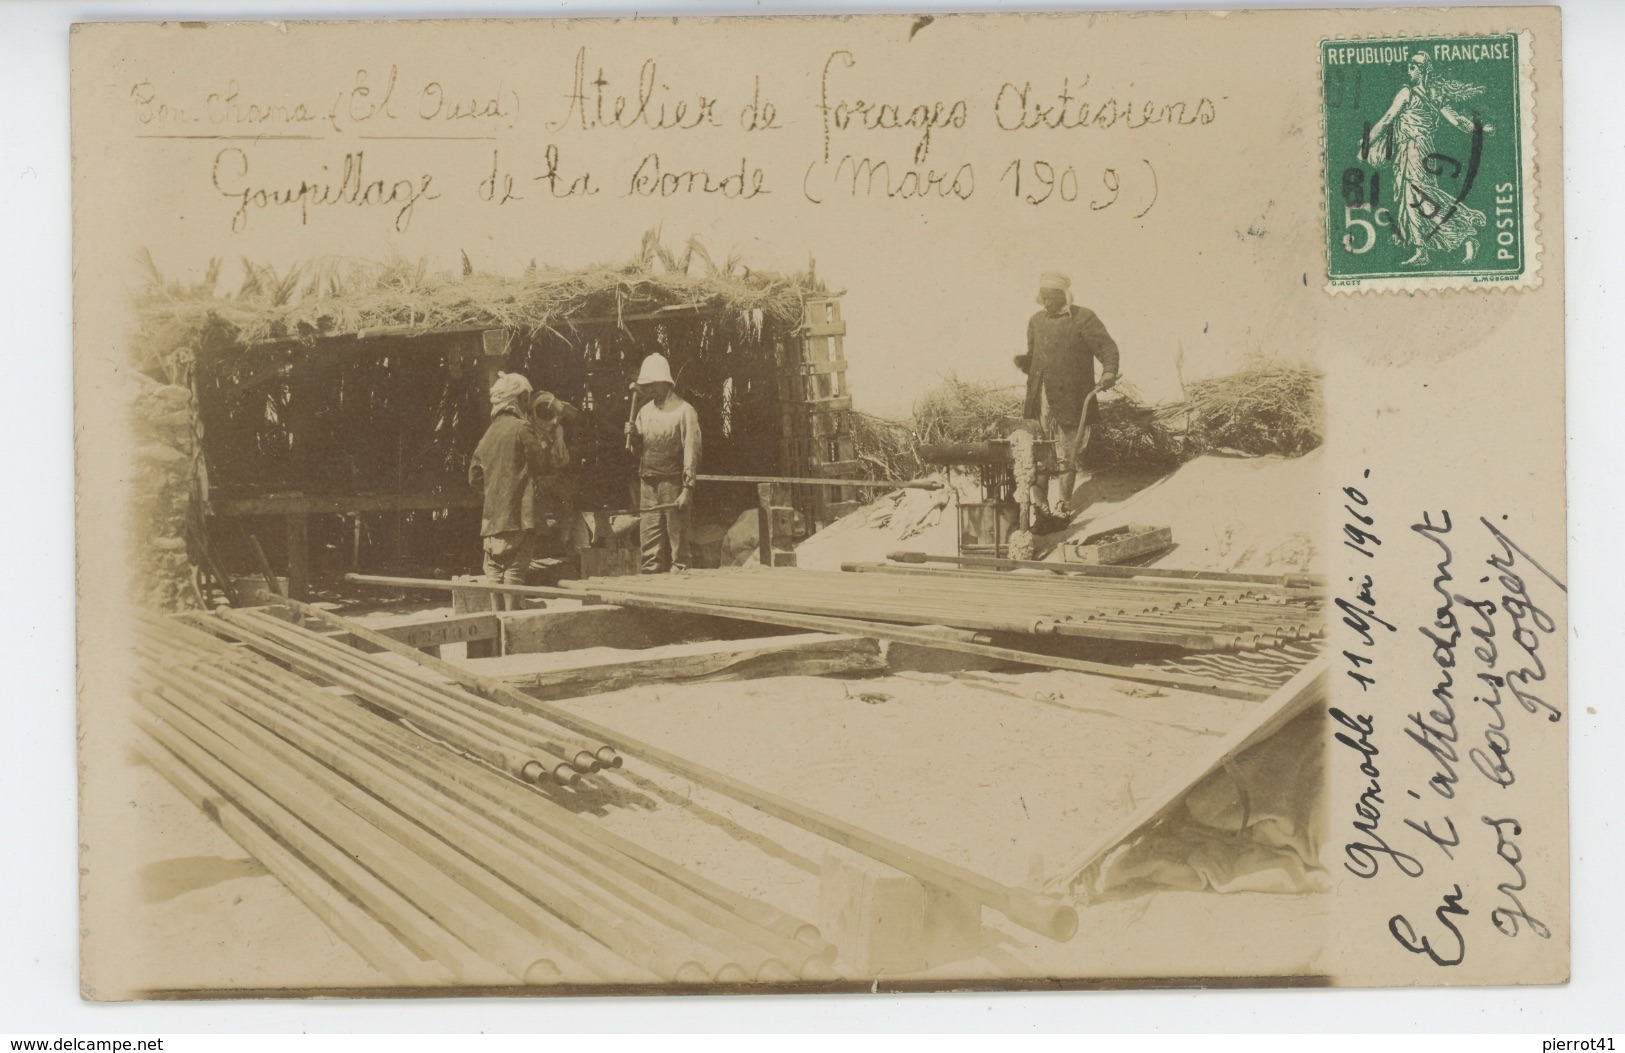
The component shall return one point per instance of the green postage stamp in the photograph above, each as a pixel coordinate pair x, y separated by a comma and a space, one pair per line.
1428, 163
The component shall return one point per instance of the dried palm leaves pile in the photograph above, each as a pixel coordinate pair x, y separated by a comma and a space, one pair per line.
1264, 409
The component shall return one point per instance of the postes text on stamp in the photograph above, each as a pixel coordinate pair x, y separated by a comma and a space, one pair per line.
1428, 178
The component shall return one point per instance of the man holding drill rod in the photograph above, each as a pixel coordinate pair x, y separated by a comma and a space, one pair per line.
665, 434
551, 497
1063, 342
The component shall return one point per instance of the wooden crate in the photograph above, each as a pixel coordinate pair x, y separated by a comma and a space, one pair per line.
1117, 546
985, 527
609, 562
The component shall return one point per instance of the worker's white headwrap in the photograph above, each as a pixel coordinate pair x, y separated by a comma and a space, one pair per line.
511, 391
1055, 280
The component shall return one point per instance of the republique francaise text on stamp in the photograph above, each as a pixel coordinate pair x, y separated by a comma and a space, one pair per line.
1428, 179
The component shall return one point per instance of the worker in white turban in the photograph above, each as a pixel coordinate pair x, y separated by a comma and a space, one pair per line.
1054, 282
510, 392
1064, 341
509, 457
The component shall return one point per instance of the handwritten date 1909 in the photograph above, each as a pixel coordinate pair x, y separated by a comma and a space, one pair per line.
1046, 181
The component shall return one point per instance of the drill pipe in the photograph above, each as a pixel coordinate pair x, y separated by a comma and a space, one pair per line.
577, 894
581, 753
453, 728
202, 642
387, 688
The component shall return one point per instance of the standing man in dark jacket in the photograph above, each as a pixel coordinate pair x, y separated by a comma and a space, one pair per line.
505, 463
1063, 342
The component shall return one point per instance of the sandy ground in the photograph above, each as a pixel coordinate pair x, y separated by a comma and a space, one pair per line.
1010, 779
1229, 513
1226, 513
983, 779
911, 519
1010, 775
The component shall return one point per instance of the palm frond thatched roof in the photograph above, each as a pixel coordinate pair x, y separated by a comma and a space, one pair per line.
335, 297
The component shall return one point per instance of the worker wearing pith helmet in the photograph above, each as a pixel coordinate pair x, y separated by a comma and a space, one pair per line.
1063, 342
666, 437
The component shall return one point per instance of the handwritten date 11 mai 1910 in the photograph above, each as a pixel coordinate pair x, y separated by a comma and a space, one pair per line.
1360, 609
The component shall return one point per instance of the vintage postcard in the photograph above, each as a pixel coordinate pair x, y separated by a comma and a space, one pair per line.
821, 504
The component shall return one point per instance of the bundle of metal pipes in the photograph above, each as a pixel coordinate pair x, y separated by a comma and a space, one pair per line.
1192, 615
502, 736
435, 867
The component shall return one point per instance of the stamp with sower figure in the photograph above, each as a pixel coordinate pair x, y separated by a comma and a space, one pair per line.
1429, 178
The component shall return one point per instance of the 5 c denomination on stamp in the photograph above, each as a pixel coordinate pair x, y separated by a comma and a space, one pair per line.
1428, 166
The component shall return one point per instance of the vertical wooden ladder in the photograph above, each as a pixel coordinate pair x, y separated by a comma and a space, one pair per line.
816, 409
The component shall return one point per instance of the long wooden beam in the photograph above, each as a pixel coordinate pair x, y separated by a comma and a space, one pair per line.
812, 654
802, 480
1041, 914
342, 504
932, 637
433, 632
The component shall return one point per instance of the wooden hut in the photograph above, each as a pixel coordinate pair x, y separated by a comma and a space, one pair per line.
336, 407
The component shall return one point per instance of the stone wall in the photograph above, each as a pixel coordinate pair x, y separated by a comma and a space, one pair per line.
165, 474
